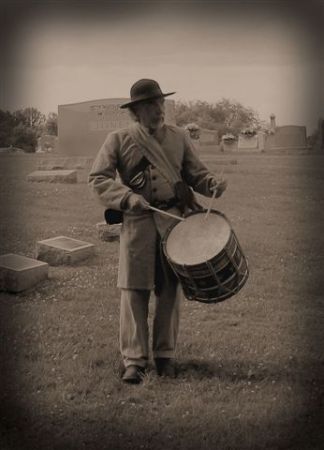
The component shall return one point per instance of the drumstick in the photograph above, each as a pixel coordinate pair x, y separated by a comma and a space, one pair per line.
213, 196
211, 204
166, 213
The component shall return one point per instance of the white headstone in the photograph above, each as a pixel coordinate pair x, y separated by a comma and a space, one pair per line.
107, 232
248, 143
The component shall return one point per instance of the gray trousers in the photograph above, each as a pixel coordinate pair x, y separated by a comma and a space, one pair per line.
134, 328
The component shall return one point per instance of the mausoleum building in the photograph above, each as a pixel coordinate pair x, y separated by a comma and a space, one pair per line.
83, 127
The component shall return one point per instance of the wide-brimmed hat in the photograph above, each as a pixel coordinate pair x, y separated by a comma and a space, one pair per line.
143, 90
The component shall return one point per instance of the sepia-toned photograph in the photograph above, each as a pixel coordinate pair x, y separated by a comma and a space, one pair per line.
161, 232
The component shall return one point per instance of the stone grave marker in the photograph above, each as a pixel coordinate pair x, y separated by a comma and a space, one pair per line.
63, 250
53, 176
64, 162
83, 126
248, 143
321, 133
108, 232
18, 272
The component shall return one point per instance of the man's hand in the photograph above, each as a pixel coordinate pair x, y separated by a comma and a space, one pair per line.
137, 203
218, 186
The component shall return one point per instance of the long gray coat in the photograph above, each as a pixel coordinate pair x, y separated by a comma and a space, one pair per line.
141, 232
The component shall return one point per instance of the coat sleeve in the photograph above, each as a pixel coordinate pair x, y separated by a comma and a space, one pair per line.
194, 172
102, 178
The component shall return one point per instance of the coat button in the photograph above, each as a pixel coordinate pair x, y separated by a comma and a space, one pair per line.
154, 189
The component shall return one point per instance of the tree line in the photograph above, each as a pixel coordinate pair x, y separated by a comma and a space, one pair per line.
23, 127
225, 116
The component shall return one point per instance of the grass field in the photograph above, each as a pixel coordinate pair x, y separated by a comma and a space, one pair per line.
250, 368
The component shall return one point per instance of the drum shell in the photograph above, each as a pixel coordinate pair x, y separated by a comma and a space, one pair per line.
216, 279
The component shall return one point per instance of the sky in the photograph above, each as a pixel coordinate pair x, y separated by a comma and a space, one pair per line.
267, 55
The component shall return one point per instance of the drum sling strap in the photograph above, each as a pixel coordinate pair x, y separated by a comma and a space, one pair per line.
154, 153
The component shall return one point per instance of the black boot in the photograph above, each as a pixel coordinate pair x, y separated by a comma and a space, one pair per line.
165, 367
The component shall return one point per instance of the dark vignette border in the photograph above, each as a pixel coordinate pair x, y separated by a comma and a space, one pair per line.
310, 435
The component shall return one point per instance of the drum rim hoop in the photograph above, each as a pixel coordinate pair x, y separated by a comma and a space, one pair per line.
192, 213
229, 294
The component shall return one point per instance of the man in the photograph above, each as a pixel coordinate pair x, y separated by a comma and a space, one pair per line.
157, 166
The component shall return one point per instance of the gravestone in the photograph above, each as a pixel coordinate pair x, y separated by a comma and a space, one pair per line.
318, 143
63, 250
248, 143
261, 140
228, 143
287, 137
18, 273
321, 133
83, 127
63, 162
108, 232
54, 176
208, 137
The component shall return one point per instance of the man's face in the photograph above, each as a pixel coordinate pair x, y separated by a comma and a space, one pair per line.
151, 113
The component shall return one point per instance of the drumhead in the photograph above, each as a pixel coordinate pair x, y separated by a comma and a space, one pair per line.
197, 239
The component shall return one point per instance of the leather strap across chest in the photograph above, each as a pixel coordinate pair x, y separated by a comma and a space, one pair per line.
153, 151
